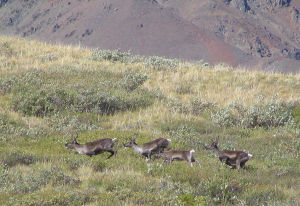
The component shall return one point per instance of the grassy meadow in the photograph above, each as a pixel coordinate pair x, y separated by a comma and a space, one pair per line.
50, 92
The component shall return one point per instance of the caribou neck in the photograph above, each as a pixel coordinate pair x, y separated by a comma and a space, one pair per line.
138, 149
218, 152
80, 148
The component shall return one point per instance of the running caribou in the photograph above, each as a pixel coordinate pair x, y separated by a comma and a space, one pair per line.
93, 148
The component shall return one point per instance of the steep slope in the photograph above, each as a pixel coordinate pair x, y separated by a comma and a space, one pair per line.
249, 33
269, 30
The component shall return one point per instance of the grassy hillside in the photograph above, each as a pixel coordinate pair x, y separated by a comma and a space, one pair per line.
49, 92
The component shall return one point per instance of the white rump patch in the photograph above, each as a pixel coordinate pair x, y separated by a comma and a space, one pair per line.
192, 151
114, 139
250, 155
169, 140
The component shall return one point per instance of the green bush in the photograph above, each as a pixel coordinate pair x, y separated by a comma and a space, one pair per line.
6, 49
108, 102
132, 81
12, 128
26, 183
6, 84
57, 196
37, 95
111, 55
160, 63
296, 114
12, 159
265, 197
272, 114
190, 200
64, 122
198, 106
42, 102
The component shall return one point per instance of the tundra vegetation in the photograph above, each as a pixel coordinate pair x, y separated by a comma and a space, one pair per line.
50, 92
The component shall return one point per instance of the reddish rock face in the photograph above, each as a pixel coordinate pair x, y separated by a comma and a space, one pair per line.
255, 34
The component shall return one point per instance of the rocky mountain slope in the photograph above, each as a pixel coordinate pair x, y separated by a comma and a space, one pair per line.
262, 34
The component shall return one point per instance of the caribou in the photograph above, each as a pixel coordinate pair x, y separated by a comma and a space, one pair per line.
93, 148
234, 159
156, 146
180, 155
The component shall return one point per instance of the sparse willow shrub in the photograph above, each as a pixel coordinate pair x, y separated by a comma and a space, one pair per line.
56, 176
187, 136
22, 82
42, 102
161, 64
269, 196
4, 175
8, 125
108, 102
220, 190
274, 113
111, 55
75, 163
18, 183
10, 128
192, 200
69, 122
6, 84
48, 57
174, 105
183, 88
98, 165
47, 101
132, 81
198, 106
198, 127
158, 94
56, 196
202, 64
6, 49
11, 159
296, 114
223, 118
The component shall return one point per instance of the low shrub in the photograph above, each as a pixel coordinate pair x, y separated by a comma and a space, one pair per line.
198, 106
160, 63
132, 81
11, 127
6, 84
56, 196
111, 55
272, 114
42, 102
296, 114
175, 105
265, 197
62, 122
35, 94
191, 200
12, 159
18, 183
108, 102
6, 49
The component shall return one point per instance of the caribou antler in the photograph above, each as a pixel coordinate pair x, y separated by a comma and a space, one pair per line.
75, 138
